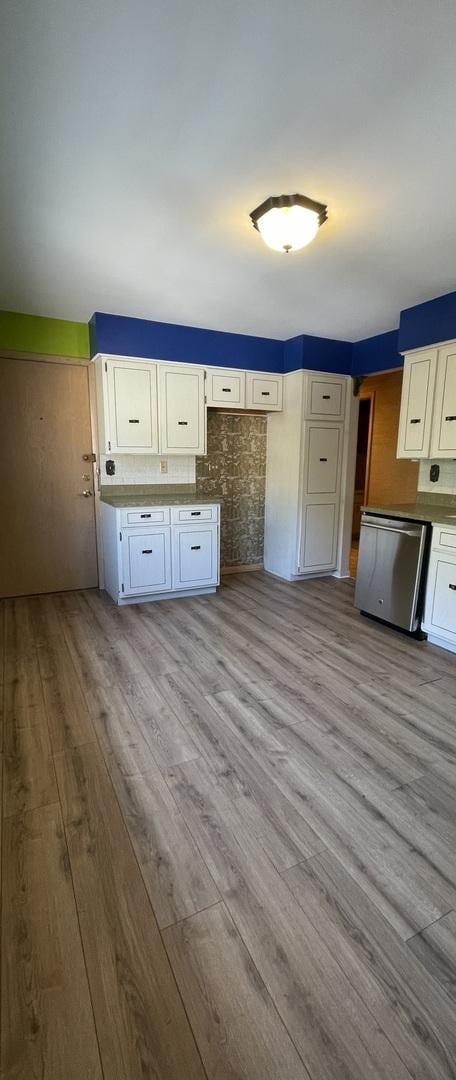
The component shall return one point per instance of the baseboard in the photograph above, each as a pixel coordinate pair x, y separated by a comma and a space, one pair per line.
178, 594
442, 643
243, 568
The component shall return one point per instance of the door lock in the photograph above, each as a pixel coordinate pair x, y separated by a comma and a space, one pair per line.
86, 493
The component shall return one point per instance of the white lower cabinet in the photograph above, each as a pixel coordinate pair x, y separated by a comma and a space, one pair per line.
195, 555
146, 560
440, 607
143, 561
318, 548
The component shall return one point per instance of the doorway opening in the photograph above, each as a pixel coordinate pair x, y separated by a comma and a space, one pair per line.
362, 471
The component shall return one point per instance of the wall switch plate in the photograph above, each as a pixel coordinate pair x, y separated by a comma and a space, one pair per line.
163, 465
434, 473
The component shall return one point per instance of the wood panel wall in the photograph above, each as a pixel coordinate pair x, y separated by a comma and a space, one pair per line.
390, 480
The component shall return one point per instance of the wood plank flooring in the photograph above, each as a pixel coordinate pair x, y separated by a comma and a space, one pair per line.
228, 840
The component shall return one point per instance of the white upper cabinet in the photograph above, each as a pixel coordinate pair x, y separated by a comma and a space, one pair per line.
443, 437
417, 403
324, 398
127, 407
225, 387
427, 426
182, 410
263, 391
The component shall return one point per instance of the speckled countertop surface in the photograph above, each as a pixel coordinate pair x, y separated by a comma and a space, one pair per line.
434, 512
122, 501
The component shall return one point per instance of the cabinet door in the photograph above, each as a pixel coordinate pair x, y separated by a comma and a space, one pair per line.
325, 398
263, 391
225, 388
440, 613
417, 402
132, 397
146, 560
182, 410
195, 556
319, 536
322, 455
443, 440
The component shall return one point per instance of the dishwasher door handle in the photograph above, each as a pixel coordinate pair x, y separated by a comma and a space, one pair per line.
391, 529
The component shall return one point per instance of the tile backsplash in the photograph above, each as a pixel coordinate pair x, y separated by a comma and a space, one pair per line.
145, 469
234, 471
445, 485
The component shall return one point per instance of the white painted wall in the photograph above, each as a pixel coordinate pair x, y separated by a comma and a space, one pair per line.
446, 484
145, 469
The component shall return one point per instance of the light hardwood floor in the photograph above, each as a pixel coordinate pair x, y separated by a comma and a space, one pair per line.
229, 840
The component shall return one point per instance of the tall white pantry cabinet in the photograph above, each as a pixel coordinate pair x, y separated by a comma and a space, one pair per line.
304, 473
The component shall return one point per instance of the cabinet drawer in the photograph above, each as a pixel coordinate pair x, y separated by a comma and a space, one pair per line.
225, 388
194, 514
325, 399
263, 391
146, 560
444, 538
195, 556
160, 516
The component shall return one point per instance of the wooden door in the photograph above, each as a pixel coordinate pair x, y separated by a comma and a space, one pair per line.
182, 411
47, 535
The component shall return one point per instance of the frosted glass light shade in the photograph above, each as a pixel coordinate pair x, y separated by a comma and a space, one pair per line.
288, 222
288, 228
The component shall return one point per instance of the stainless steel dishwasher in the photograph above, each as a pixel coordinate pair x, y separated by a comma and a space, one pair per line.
391, 570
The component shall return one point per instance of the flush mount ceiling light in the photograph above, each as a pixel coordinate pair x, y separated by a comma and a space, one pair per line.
288, 222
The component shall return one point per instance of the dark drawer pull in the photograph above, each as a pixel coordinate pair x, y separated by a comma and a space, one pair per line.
326, 397
147, 551
323, 459
182, 423
226, 389
133, 421
146, 515
450, 418
195, 547
453, 587
416, 421
265, 393
195, 513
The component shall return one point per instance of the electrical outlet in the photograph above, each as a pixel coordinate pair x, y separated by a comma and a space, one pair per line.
163, 465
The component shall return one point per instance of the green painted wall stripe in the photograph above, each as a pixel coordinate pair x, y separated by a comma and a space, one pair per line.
33, 333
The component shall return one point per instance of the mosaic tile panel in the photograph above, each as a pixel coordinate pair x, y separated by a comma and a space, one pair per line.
234, 471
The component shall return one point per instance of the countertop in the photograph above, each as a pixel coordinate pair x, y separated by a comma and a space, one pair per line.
121, 501
432, 512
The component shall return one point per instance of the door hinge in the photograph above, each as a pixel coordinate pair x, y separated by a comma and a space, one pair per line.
89, 457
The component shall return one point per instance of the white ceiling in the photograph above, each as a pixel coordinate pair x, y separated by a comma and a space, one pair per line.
137, 136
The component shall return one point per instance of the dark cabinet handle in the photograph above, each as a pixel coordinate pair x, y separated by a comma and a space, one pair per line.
450, 418
195, 547
146, 515
195, 513
453, 587
323, 459
265, 393
133, 421
147, 551
226, 389
326, 397
182, 423
416, 421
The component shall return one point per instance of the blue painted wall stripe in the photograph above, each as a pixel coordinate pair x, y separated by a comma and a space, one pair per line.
419, 326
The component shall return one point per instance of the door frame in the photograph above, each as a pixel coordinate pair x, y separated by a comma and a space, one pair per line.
77, 361
369, 395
